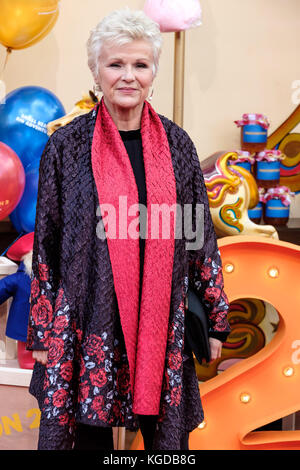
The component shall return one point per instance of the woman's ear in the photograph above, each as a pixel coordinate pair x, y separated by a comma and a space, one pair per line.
151, 93
97, 89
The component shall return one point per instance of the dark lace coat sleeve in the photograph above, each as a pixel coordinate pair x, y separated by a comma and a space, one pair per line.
45, 269
205, 266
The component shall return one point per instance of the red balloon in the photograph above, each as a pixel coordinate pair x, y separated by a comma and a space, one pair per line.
12, 180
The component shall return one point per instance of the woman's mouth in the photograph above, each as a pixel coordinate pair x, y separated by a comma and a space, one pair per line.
127, 90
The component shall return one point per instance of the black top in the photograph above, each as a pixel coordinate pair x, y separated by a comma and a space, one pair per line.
133, 144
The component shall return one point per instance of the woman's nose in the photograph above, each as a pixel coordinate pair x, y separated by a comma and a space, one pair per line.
128, 74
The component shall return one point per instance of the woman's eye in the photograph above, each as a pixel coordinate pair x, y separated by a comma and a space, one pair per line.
141, 66
115, 65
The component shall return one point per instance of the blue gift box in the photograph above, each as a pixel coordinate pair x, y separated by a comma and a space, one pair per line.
246, 165
256, 212
268, 171
275, 208
254, 133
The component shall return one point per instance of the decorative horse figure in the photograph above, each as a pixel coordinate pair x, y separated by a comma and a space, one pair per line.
232, 190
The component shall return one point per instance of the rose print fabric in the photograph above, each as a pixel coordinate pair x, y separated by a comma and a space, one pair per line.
74, 310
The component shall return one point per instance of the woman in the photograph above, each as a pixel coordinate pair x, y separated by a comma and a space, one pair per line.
107, 300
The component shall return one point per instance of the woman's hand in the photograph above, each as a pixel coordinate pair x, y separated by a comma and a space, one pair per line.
215, 348
40, 356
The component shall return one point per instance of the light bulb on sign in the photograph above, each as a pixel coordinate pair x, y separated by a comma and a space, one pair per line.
229, 268
202, 425
245, 397
288, 371
273, 272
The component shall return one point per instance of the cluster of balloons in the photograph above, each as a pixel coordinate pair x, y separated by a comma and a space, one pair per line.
25, 114
23, 136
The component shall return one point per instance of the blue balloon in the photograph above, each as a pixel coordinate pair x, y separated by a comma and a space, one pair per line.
23, 216
23, 120
14, 217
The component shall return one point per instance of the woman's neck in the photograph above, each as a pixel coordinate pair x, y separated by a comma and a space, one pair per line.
126, 119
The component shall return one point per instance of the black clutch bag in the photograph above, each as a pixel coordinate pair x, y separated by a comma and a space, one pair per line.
196, 327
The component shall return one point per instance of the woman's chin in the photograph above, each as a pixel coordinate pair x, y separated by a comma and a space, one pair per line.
128, 102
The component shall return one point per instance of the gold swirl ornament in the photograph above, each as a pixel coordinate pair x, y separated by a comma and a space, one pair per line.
231, 214
228, 179
223, 181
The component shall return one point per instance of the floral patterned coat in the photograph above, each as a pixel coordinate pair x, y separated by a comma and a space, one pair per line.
74, 310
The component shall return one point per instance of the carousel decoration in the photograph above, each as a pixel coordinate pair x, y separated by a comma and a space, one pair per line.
232, 191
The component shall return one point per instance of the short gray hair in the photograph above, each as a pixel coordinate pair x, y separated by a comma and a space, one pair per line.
121, 27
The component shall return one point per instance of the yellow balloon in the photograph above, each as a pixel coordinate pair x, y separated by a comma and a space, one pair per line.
25, 22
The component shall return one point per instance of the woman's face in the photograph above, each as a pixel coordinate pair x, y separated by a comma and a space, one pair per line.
125, 73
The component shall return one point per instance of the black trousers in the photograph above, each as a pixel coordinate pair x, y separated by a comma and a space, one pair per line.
100, 438
93, 438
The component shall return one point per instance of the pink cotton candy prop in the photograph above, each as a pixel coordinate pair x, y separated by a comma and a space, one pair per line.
174, 15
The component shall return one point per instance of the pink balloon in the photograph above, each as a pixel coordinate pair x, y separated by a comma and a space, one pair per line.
12, 180
174, 15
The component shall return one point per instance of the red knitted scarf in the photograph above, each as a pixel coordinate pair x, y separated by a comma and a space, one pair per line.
145, 332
